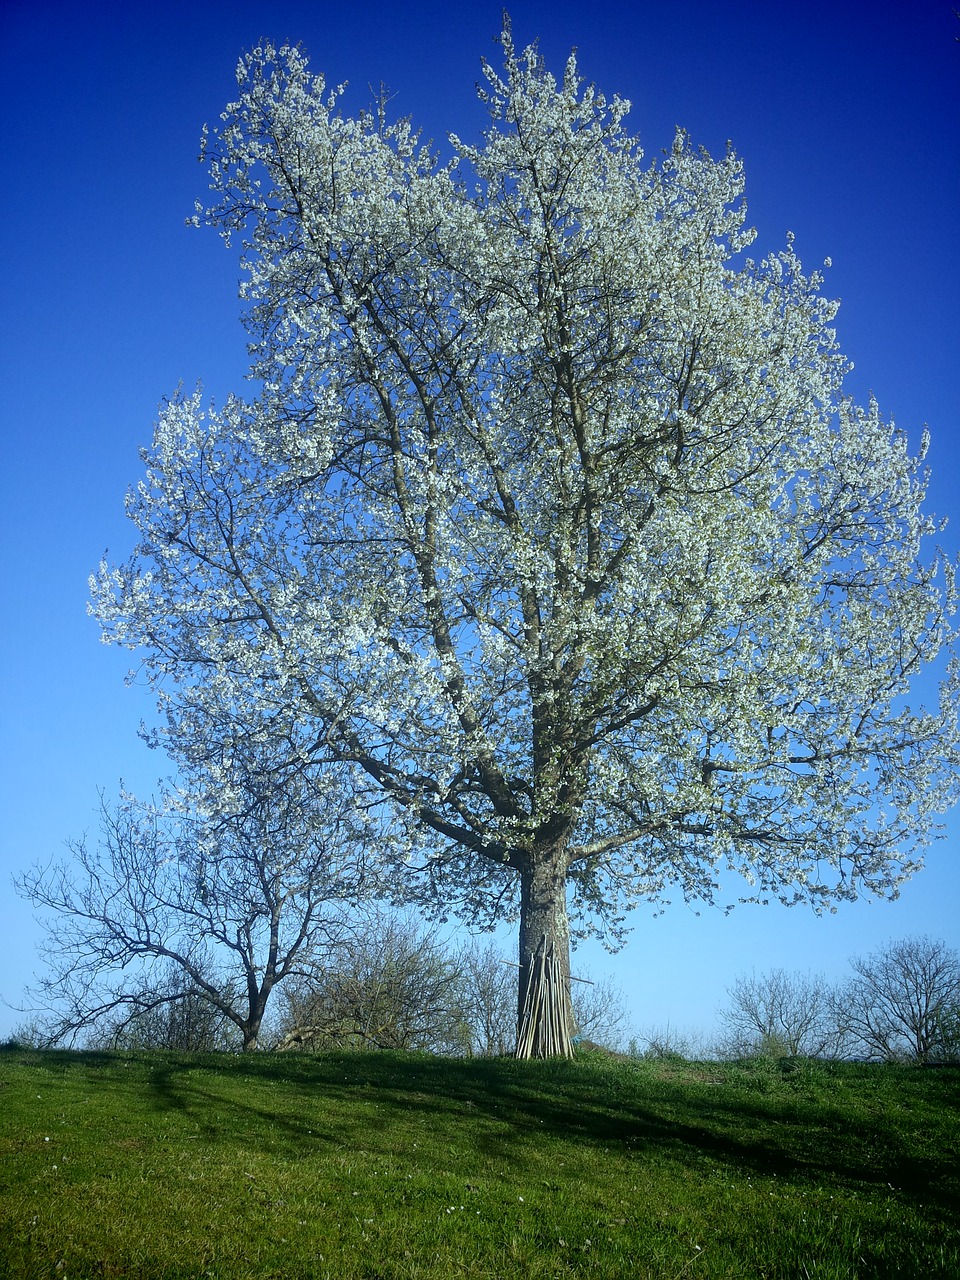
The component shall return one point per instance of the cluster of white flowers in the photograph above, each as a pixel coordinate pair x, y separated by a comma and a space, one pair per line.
551, 526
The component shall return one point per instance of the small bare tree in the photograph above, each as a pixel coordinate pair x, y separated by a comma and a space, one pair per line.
392, 985
489, 999
169, 908
598, 1011
780, 1014
903, 1000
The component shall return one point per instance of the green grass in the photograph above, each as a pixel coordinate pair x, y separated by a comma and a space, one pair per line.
390, 1166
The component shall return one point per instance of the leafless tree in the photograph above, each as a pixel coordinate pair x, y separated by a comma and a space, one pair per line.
167, 908
489, 999
599, 1011
392, 985
781, 1014
903, 1001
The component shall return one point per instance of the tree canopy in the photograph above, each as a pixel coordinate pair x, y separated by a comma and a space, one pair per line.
550, 524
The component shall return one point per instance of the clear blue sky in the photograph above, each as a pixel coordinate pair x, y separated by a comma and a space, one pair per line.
847, 116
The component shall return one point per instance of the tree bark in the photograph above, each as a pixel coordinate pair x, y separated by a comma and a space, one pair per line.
544, 1019
257, 1007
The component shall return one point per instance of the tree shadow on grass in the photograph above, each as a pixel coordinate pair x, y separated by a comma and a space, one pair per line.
508, 1109
854, 1127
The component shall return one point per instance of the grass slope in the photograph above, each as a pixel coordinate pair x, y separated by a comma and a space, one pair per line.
392, 1167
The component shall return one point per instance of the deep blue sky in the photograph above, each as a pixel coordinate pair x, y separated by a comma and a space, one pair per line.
847, 116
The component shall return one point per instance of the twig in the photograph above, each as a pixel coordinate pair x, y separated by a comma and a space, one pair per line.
587, 981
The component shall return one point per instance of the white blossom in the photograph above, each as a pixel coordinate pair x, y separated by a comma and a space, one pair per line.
552, 520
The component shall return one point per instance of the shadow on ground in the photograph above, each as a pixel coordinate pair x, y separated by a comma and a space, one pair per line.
836, 1123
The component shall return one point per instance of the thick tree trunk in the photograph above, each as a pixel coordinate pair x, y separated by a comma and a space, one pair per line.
544, 1022
256, 1009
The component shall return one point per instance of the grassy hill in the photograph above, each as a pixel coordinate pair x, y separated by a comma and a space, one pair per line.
393, 1167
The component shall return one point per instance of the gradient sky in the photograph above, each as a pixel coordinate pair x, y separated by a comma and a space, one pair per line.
847, 116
